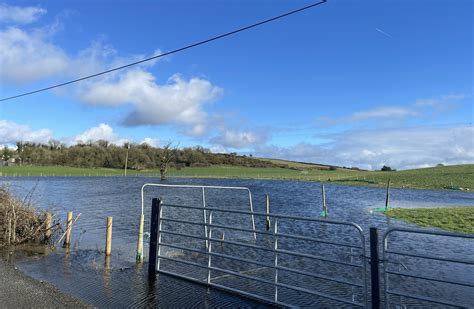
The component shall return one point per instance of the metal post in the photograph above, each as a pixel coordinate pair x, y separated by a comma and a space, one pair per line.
374, 268
252, 217
209, 250
275, 248
154, 221
205, 215
387, 197
325, 208
267, 218
139, 256
159, 237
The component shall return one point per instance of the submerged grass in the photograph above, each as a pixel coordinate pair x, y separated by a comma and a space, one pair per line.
457, 219
454, 177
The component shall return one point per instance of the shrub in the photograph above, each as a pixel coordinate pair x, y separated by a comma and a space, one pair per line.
21, 223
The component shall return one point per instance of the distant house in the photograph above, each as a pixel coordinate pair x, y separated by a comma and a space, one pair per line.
9, 162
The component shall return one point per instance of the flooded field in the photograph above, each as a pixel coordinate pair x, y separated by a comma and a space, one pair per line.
84, 274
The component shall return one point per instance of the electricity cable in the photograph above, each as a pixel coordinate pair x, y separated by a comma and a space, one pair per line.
170, 52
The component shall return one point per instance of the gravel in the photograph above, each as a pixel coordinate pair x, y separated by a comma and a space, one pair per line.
17, 290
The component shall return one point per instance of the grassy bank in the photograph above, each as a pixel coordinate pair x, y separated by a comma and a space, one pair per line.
438, 178
460, 219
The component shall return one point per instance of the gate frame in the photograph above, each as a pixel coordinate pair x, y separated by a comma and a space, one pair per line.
385, 251
139, 255
154, 258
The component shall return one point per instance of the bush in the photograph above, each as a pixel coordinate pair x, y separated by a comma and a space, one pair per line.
21, 223
387, 169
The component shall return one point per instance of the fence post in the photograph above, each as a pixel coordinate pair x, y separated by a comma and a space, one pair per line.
153, 252
49, 225
374, 268
108, 237
67, 240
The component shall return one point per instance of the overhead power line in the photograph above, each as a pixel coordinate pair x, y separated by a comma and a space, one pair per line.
170, 52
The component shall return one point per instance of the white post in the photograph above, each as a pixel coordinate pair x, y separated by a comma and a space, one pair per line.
139, 256
209, 250
276, 259
205, 217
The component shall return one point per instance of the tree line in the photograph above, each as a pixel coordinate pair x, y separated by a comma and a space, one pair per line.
140, 156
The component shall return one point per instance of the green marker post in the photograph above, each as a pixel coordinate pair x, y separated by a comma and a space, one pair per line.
387, 199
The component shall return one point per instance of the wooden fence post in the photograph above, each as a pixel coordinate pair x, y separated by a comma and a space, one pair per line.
67, 240
49, 225
108, 239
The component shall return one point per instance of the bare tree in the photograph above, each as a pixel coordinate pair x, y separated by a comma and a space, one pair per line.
20, 147
165, 157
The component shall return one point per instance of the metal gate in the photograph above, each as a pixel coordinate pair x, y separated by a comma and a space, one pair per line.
139, 255
289, 262
308, 262
429, 272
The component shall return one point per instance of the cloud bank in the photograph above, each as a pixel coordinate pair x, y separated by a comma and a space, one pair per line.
402, 148
11, 132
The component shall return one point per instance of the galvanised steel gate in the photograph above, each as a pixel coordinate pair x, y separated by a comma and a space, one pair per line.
405, 271
306, 262
274, 266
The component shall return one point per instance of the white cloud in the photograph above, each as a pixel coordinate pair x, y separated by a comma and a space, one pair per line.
20, 15
421, 108
179, 102
153, 142
383, 112
441, 103
29, 56
240, 139
401, 149
101, 132
11, 132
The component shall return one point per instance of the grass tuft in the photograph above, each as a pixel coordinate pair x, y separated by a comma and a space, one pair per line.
455, 219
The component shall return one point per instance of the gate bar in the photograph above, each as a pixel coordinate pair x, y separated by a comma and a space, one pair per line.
139, 256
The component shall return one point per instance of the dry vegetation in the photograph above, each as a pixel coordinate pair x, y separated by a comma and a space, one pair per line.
21, 223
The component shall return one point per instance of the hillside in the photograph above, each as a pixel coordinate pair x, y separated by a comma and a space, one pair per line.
454, 177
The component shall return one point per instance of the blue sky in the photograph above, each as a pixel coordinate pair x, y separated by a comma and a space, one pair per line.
354, 83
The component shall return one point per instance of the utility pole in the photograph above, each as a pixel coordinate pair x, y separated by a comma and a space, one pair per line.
126, 160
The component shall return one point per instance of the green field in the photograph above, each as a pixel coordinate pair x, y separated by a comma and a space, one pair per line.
455, 177
456, 219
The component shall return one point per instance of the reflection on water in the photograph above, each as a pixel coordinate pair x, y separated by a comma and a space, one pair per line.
118, 281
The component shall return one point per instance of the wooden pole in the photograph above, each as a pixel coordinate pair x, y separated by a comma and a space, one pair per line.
108, 238
267, 219
126, 161
387, 197
49, 224
67, 240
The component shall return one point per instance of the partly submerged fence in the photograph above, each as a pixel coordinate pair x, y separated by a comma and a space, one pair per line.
302, 262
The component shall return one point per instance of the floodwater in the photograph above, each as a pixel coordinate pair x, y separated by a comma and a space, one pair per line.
119, 282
